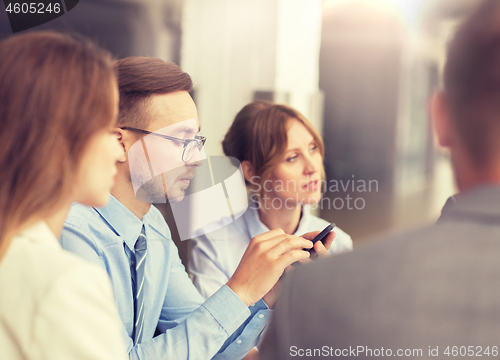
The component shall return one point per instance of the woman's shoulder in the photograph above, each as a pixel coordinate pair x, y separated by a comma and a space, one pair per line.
43, 281
38, 265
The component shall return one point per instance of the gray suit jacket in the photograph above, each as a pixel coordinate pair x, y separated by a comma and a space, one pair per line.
437, 286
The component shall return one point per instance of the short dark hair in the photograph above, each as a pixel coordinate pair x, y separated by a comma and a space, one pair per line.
138, 79
472, 83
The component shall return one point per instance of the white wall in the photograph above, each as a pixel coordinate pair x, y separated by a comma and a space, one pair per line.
232, 48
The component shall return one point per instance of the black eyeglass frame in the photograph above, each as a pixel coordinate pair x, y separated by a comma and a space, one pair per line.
199, 140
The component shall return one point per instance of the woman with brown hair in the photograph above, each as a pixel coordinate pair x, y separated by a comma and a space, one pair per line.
281, 156
58, 105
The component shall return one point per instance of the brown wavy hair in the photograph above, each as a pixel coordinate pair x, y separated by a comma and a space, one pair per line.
258, 134
56, 92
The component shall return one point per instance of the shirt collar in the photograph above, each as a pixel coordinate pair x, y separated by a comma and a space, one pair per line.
257, 227
123, 222
303, 222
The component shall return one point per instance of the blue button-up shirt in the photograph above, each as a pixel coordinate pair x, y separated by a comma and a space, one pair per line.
190, 327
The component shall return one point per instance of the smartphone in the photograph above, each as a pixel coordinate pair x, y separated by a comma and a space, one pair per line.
322, 236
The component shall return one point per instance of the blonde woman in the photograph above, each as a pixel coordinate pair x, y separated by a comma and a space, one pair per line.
58, 105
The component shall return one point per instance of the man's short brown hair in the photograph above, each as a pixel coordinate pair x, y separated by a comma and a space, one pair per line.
472, 83
141, 77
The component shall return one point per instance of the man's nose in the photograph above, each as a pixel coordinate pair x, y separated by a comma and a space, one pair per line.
197, 157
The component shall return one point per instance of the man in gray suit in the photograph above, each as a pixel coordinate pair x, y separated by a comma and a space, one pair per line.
433, 292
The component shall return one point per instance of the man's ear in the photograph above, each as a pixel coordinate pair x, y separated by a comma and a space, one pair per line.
441, 119
124, 140
248, 171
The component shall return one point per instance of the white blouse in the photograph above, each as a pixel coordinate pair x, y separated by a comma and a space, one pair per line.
215, 256
53, 304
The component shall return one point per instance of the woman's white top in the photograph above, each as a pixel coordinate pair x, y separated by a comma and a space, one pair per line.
54, 305
215, 256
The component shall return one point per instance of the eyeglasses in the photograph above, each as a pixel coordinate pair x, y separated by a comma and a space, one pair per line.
189, 144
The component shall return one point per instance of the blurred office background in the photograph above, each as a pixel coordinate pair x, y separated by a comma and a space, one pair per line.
361, 70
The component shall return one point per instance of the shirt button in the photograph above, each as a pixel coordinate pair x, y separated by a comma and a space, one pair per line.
261, 316
238, 341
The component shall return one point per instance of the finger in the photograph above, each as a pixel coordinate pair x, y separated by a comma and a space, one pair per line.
259, 241
311, 235
291, 257
278, 245
268, 235
329, 239
320, 249
283, 244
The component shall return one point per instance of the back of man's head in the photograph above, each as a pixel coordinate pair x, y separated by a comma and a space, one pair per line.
141, 77
472, 84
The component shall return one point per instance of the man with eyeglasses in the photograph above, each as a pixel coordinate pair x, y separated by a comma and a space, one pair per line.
163, 314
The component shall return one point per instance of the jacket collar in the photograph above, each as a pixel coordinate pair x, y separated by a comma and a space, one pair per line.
481, 204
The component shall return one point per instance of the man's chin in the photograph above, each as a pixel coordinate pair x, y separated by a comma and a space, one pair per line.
154, 192
177, 192
175, 196
151, 198
160, 198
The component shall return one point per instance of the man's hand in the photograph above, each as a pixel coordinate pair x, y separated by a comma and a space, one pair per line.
320, 248
263, 263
